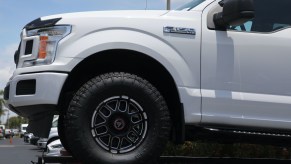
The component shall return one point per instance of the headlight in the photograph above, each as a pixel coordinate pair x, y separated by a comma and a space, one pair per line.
47, 46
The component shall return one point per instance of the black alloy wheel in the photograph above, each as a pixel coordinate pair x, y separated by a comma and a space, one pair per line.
117, 118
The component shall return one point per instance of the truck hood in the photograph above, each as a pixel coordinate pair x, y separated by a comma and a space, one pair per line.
110, 14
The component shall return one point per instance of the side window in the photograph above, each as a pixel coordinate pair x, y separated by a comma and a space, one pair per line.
244, 27
270, 15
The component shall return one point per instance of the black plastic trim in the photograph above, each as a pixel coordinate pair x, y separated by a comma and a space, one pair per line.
16, 55
45, 72
37, 115
38, 23
229, 136
26, 87
6, 92
28, 47
180, 126
32, 111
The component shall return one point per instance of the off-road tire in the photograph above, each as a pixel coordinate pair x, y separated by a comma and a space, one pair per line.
62, 134
86, 102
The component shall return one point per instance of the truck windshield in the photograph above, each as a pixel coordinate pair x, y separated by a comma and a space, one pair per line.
190, 5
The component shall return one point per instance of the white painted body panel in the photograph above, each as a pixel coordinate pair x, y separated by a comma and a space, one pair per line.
48, 89
245, 78
141, 33
179, 54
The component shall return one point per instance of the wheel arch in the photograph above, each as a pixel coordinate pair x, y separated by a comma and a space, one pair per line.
122, 60
148, 44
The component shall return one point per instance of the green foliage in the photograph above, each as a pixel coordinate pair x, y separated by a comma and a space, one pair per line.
15, 122
202, 149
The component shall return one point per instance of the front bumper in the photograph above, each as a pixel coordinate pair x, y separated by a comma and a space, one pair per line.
33, 90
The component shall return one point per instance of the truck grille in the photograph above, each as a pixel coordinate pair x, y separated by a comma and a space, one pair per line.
28, 47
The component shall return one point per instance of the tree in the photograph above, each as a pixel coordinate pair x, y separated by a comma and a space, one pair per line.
15, 122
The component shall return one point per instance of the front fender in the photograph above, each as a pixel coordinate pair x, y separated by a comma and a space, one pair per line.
142, 42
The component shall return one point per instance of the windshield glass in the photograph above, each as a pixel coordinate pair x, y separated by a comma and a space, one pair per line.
190, 5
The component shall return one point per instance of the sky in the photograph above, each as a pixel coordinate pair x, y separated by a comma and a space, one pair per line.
15, 14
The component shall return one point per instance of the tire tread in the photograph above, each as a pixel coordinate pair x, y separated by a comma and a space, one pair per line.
108, 79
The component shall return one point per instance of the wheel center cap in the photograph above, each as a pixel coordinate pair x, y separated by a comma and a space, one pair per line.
119, 124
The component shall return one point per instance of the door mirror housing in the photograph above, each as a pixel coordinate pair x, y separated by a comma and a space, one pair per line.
235, 12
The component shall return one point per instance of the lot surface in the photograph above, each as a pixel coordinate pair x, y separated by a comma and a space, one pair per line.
23, 153
18, 152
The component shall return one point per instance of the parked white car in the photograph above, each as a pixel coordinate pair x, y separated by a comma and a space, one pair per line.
126, 82
27, 137
41, 143
54, 148
23, 129
8, 133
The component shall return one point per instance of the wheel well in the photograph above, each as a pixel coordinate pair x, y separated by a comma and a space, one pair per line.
130, 62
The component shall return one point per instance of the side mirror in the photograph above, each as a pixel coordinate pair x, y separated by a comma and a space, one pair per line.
235, 12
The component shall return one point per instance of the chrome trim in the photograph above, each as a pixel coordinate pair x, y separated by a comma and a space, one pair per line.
179, 30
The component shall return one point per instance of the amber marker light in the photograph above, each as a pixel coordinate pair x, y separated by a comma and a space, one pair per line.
45, 44
42, 47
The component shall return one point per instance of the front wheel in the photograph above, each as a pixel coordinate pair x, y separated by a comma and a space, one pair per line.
117, 118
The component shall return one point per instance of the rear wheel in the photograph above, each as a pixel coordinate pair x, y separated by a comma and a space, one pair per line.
117, 118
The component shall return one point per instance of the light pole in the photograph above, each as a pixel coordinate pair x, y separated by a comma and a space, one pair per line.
168, 4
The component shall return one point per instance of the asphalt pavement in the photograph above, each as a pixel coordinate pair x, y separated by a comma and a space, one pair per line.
18, 152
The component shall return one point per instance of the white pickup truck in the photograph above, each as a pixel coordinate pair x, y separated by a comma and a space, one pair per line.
126, 82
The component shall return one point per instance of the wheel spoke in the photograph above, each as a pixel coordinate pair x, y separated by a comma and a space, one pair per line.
115, 142
122, 106
101, 135
133, 136
132, 110
99, 119
132, 114
125, 143
105, 139
139, 122
112, 105
128, 139
101, 130
136, 132
105, 112
99, 125
118, 124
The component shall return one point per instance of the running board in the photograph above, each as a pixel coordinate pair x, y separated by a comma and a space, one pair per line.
224, 135
250, 132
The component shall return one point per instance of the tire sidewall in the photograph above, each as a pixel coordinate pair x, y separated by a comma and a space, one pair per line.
88, 102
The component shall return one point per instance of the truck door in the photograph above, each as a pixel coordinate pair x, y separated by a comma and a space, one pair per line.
246, 69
